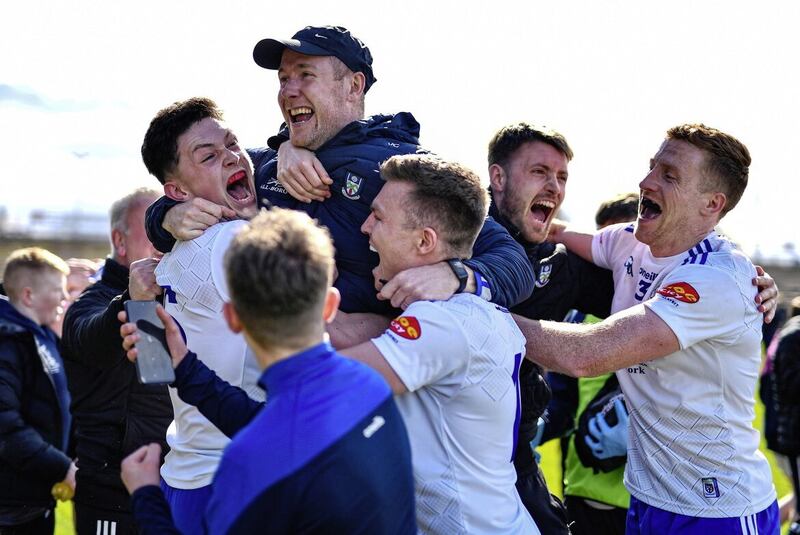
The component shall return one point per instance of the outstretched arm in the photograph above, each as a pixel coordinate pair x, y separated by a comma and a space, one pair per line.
628, 337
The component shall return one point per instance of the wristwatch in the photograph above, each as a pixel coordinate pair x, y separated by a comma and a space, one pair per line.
460, 272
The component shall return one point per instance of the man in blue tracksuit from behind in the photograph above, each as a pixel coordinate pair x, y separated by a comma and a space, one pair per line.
328, 452
324, 73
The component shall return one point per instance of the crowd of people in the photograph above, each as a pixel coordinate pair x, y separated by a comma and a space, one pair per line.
367, 340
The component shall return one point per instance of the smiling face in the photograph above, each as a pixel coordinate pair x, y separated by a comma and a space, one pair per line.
212, 166
530, 188
390, 233
672, 206
315, 99
48, 296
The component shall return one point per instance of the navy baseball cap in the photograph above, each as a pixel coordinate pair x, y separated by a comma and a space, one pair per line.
333, 41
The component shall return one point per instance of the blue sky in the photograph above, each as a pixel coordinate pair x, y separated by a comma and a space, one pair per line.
79, 82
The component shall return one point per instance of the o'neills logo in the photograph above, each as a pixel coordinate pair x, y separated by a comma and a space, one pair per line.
407, 327
680, 291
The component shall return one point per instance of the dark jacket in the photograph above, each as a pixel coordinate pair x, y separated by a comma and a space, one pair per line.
786, 380
352, 159
114, 414
33, 435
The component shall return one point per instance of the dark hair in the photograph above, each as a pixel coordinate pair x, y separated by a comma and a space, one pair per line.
727, 159
509, 138
446, 196
619, 209
278, 270
160, 145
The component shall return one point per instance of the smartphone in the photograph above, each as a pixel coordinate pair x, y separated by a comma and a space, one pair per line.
153, 363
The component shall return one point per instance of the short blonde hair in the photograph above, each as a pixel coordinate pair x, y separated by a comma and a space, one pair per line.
31, 261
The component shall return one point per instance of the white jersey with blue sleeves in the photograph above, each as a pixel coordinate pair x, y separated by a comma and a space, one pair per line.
692, 446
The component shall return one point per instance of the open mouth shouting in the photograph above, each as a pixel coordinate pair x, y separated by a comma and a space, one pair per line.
542, 210
240, 189
648, 210
300, 114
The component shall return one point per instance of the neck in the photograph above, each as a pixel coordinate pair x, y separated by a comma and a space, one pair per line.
677, 245
267, 356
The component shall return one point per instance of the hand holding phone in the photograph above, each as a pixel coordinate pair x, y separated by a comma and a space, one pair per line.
153, 361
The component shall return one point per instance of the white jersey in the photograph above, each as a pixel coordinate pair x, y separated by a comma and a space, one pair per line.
692, 448
193, 279
459, 360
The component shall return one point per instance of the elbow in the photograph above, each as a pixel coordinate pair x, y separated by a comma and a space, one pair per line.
581, 366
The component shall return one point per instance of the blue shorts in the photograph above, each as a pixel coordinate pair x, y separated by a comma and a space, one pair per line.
188, 506
645, 519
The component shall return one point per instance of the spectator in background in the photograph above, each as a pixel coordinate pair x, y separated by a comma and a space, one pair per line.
34, 401
82, 272
114, 414
786, 392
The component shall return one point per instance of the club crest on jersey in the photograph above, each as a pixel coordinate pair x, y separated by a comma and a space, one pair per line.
710, 487
680, 291
544, 275
629, 266
352, 186
406, 327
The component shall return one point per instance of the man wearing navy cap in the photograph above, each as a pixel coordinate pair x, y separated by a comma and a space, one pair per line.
324, 74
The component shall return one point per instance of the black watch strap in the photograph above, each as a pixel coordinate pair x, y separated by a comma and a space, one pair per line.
460, 272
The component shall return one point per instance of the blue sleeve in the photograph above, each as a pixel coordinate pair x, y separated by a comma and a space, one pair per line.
227, 407
502, 261
560, 412
154, 217
151, 512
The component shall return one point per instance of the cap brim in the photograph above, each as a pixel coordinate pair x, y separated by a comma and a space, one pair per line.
268, 52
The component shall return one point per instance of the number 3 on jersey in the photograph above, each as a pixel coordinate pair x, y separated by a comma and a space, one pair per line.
643, 287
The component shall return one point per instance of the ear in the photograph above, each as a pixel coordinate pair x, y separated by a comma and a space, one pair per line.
715, 204
175, 191
497, 178
26, 296
427, 241
357, 84
232, 318
331, 306
118, 242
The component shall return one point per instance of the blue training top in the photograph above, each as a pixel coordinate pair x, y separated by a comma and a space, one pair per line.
327, 453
